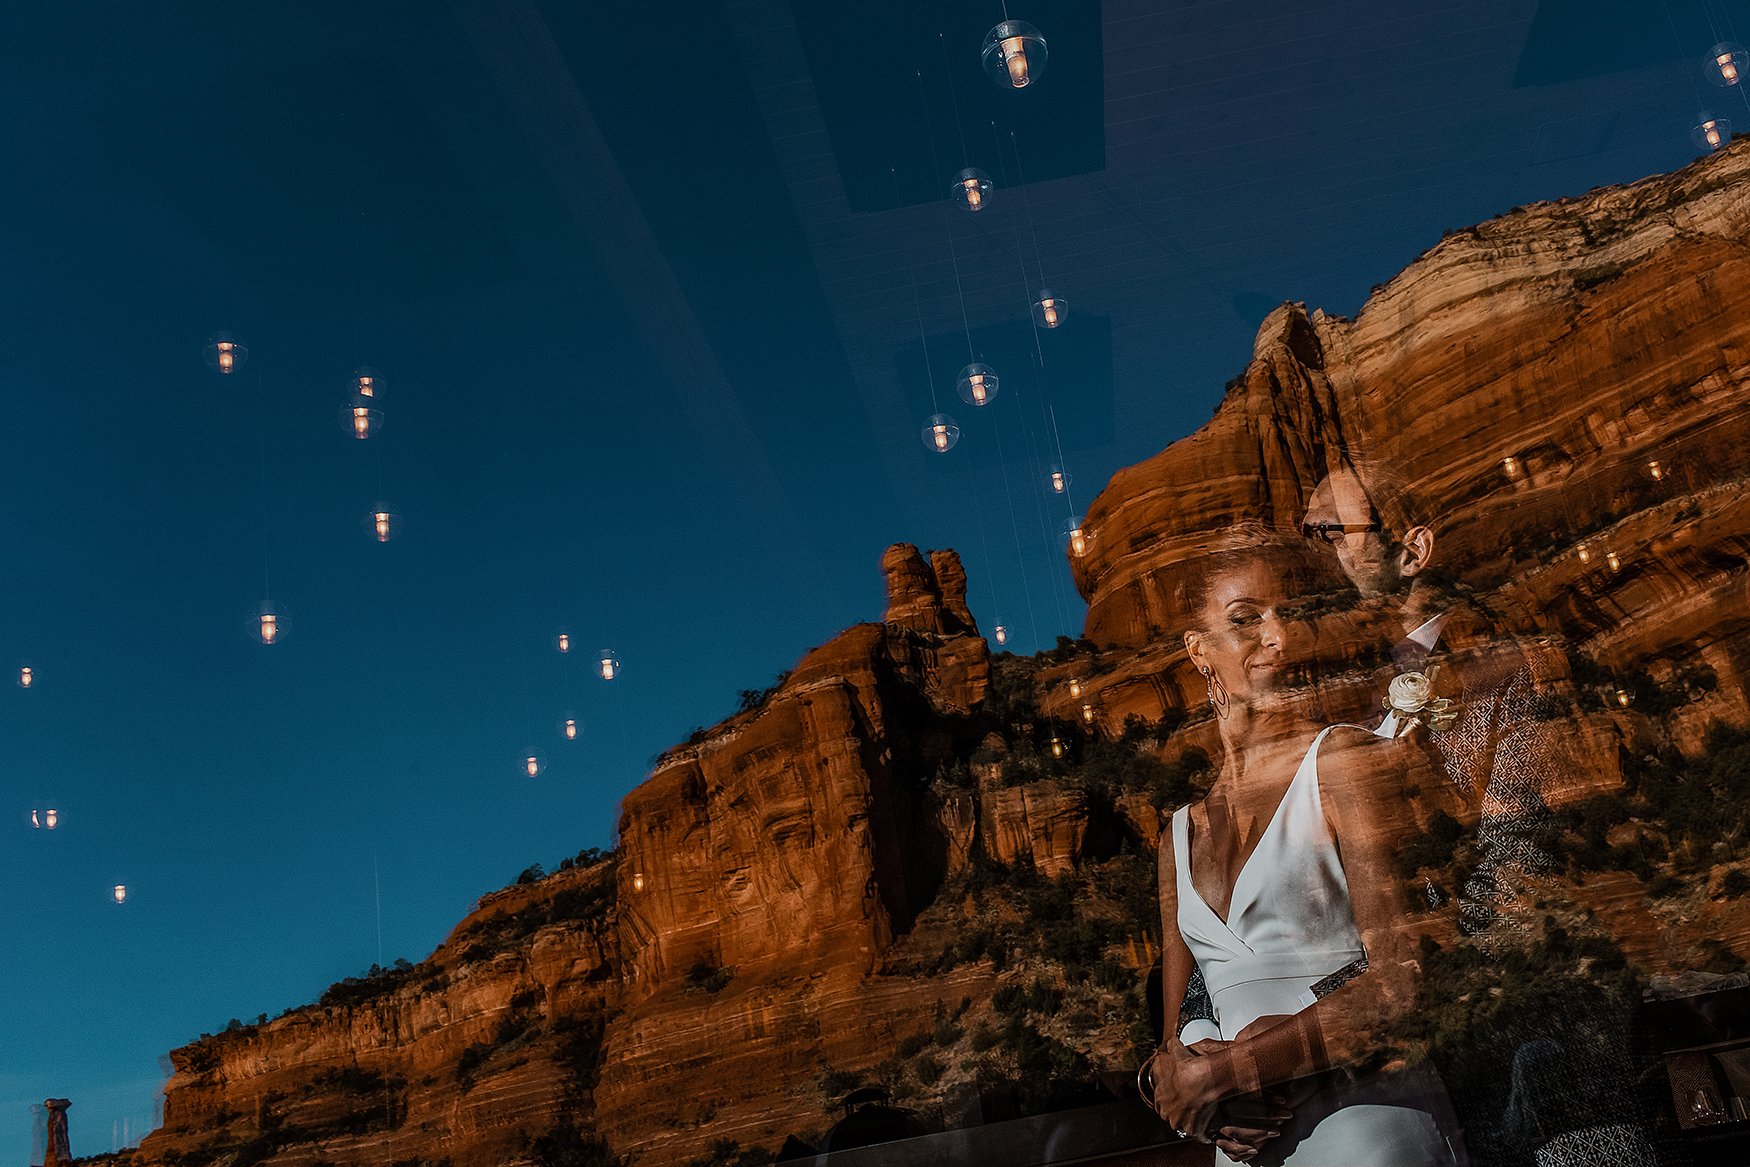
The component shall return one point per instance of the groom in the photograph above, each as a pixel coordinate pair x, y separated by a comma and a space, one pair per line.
1504, 754
1502, 751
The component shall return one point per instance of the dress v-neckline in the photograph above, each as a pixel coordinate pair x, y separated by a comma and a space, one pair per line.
1246, 864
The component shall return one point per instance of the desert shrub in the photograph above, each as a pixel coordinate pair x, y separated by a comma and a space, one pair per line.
928, 1069
707, 976
566, 1146
835, 1084
374, 982
913, 1044
1736, 883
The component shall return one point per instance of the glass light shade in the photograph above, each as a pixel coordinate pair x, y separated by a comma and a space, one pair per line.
1611, 558
1584, 552
26, 676
637, 881
1623, 698
607, 664
1057, 747
1002, 634
1075, 687
1057, 479
1656, 470
1087, 714
364, 383
533, 764
383, 524
977, 384
119, 893
1709, 132
971, 189
564, 642
44, 818
1073, 537
360, 418
1510, 466
940, 433
1014, 54
1049, 309
1726, 63
568, 727
225, 353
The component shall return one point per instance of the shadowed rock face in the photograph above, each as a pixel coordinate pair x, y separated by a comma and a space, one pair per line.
775, 876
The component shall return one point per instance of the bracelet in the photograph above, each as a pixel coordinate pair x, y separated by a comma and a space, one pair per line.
1145, 1086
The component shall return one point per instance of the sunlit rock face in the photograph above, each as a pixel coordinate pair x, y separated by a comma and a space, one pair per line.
1584, 340
776, 913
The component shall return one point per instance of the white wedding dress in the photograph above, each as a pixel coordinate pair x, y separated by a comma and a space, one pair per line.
1290, 926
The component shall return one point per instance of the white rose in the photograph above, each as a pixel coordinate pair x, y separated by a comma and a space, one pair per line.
1410, 692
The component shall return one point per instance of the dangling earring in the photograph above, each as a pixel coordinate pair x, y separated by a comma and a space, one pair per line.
1217, 693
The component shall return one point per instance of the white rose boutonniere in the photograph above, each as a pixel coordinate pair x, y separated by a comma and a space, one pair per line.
1411, 700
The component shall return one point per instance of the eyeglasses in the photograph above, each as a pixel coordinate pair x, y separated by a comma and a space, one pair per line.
1331, 532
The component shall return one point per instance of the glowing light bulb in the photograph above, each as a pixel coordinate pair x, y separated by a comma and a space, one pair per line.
224, 355
1585, 553
1050, 313
227, 356
1088, 714
367, 385
978, 388
1015, 60
1510, 466
1075, 687
381, 526
1623, 698
1711, 132
1078, 542
1057, 482
51, 819
1002, 634
26, 677
1657, 471
119, 893
1728, 68
610, 665
361, 422
270, 627
637, 881
1615, 563
970, 188
974, 196
571, 729
1057, 747
565, 642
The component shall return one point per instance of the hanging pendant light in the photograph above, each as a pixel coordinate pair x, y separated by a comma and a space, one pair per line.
1656, 470
940, 433
1584, 552
977, 384
364, 383
971, 189
1726, 63
44, 818
119, 893
1510, 466
1075, 687
1611, 558
565, 642
26, 676
637, 881
360, 418
1087, 714
1624, 698
268, 624
224, 354
1057, 479
383, 523
1002, 634
1709, 132
1014, 54
1073, 537
568, 727
1056, 747
533, 764
1049, 309
607, 664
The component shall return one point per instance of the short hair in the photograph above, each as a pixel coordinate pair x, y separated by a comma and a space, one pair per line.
1398, 505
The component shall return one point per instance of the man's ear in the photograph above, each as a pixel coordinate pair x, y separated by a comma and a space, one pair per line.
1418, 551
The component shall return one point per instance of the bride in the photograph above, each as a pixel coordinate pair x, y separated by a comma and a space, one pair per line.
1281, 888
